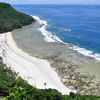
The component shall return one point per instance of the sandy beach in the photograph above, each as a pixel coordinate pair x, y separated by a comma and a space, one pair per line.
49, 65
35, 71
74, 69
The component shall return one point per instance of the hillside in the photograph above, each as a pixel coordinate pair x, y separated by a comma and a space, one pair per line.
13, 87
11, 19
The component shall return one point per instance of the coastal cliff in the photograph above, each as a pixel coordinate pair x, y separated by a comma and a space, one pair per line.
11, 19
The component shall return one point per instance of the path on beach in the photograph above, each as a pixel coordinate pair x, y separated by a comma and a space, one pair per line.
36, 71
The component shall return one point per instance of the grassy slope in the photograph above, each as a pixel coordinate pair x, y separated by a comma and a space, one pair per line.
13, 87
11, 19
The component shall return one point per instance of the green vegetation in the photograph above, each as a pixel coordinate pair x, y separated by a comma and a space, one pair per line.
7, 80
13, 87
11, 19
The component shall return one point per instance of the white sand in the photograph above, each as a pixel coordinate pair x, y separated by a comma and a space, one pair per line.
35, 71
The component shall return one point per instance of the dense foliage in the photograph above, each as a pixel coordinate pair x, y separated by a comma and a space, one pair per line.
7, 79
11, 19
13, 87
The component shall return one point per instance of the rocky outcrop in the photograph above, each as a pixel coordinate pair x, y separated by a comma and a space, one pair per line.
74, 79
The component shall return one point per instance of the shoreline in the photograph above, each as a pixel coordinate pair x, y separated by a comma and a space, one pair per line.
49, 37
29, 68
67, 70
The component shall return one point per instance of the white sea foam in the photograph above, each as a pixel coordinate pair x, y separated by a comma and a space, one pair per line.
49, 37
86, 52
67, 29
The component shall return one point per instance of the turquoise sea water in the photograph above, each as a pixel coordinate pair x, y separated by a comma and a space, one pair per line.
75, 24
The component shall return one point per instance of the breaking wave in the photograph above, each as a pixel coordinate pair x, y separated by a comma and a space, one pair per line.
49, 37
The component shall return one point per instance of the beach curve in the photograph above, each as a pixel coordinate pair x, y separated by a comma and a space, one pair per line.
35, 71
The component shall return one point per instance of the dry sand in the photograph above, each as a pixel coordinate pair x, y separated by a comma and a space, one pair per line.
35, 71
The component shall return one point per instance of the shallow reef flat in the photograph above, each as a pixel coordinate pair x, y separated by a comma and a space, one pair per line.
75, 70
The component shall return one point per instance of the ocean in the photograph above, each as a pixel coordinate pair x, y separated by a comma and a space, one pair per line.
64, 32
78, 25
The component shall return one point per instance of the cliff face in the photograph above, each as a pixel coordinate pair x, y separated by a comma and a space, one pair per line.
11, 19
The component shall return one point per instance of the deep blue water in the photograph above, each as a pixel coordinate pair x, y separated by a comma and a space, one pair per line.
75, 24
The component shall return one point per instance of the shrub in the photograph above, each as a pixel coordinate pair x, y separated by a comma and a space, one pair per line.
13, 87
11, 19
